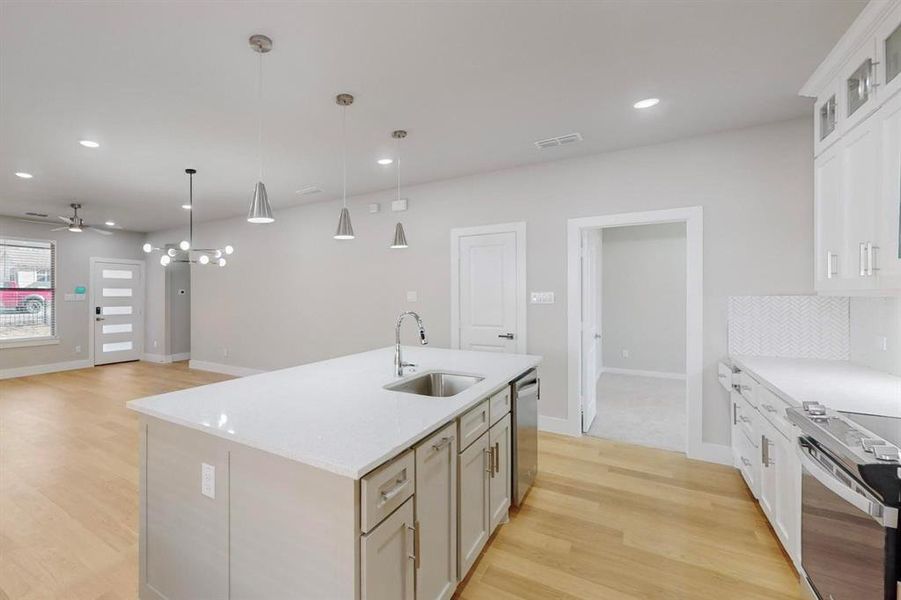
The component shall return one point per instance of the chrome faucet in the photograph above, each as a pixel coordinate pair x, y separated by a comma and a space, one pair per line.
399, 363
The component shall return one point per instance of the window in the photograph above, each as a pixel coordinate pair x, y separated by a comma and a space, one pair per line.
27, 290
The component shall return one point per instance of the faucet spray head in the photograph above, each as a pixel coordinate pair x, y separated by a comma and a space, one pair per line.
422, 338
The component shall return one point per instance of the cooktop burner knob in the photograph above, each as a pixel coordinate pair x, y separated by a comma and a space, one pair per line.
886, 453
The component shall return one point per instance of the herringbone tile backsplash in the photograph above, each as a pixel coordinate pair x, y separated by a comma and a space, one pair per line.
790, 326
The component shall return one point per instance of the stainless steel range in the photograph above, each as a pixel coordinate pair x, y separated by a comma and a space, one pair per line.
850, 494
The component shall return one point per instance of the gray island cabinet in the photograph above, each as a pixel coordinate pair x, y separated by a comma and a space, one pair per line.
317, 482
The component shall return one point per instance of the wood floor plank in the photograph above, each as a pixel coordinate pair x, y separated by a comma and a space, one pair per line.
605, 520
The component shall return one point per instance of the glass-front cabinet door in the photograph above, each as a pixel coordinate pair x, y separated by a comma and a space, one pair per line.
888, 46
859, 85
827, 117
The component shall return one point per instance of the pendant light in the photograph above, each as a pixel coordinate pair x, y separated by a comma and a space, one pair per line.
400, 238
345, 230
260, 211
185, 252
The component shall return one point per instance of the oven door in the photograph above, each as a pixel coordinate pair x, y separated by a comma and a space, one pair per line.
847, 535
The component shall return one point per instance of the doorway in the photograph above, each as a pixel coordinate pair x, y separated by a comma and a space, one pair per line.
623, 385
117, 310
488, 288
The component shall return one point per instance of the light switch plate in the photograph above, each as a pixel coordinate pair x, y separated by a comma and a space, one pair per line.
399, 205
208, 480
374, 208
412, 297
542, 298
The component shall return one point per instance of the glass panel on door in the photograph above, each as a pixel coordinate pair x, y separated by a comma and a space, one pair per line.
827, 117
860, 85
893, 54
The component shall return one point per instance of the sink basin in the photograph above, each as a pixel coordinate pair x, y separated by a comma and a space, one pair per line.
440, 385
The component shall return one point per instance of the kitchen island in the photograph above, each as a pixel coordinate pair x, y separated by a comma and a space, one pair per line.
317, 482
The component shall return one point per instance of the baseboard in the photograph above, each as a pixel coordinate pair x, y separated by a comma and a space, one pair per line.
204, 365
642, 373
712, 453
165, 358
41, 369
556, 425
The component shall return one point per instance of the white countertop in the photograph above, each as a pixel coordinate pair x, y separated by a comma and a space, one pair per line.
839, 385
335, 414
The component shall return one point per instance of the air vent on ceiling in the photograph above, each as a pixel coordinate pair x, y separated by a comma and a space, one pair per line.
309, 190
36, 214
563, 140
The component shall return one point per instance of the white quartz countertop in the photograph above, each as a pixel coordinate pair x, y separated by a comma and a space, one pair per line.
839, 385
335, 414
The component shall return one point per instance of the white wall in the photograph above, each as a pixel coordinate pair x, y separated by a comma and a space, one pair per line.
74, 251
873, 319
643, 297
291, 294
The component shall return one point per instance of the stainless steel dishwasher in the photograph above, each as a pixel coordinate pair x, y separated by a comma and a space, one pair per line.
524, 395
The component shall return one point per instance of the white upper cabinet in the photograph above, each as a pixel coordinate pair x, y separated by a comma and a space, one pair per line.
859, 86
887, 253
862, 185
857, 145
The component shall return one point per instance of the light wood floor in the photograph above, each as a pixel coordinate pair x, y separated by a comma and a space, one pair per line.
604, 520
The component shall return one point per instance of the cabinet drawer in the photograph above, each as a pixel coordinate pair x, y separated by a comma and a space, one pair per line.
748, 388
472, 425
747, 416
385, 489
748, 463
724, 374
499, 405
772, 407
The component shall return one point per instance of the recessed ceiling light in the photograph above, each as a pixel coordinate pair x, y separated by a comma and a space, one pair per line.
89, 144
24, 175
646, 103
110, 223
186, 206
385, 161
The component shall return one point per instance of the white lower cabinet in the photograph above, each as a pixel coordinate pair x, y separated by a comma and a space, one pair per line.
387, 557
436, 515
763, 446
499, 441
473, 515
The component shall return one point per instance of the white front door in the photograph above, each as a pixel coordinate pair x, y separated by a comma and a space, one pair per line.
591, 334
488, 290
117, 291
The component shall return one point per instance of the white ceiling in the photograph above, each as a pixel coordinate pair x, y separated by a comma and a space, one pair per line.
164, 86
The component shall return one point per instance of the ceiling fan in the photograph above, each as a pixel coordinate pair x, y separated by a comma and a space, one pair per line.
74, 223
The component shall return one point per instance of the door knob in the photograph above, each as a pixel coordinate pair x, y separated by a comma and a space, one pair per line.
99, 319
597, 336
506, 336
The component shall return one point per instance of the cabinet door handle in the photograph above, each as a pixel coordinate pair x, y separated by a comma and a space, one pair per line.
862, 258
414, 529
442, 443
770, 408
870, 256
398, 488
764, 451
734, 414
506, 336
490, 454
831, 271
497, 457
745, 461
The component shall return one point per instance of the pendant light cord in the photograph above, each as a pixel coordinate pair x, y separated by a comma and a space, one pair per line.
260, 115
398, 169
344, 151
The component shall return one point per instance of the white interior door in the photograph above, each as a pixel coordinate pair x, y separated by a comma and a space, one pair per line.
591, 334
117, 290
488, 289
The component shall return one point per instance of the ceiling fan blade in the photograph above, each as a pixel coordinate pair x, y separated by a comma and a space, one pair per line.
35, 221
95, 230
66, 219
58, 228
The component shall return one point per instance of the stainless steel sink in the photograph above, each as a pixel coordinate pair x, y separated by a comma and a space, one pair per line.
437, 384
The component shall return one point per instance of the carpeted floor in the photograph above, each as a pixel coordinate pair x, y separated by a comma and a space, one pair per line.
641, 410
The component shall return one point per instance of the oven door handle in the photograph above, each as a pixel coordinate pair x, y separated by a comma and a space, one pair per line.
884, 515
